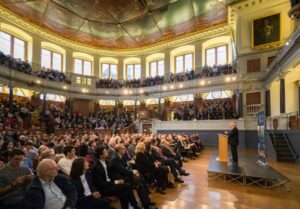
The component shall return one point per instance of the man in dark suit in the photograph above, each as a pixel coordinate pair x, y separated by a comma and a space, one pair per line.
106, 186
233, 141
121, 170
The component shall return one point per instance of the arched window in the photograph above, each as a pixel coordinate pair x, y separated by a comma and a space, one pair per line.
217, 95
107, 102
184, 98
109, 71
216, 55
157, 68
54, 97
13, 46
52, 60
133, 71
184, 63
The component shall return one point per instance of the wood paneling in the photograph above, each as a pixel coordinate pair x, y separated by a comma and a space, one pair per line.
253, 98
270, 59
83, 106
253, 65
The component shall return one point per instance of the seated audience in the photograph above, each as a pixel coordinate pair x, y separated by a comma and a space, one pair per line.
49, 190
101, 173
65, 163
13, 181
88, 197
121, 170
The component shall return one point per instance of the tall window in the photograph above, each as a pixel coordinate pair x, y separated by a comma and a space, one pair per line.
133, 71
12, 46
109, 71
216, 56
184, 63
157, 68
82, 67
51, 60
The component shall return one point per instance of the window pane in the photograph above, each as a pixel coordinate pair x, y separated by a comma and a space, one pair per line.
137, 69
87, 70
129, 72
113, 71
5, 41
188, 62
19, 49
78, 66
179, 64
105, 70
46, 58
57, 61
153, 69
221, 55
210, 57
161, 67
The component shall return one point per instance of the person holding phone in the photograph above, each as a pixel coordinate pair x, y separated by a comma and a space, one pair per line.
13, 180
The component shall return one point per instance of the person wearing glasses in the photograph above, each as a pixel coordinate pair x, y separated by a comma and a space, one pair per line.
50, 190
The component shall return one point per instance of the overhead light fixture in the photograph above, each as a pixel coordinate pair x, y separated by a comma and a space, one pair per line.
234, 78
125, 91
227, 79
172, 87
65, 87
130, 92
164, 88
209, 82
202, 83
141, 91
38, 81
106, 92
180, 85
287, 43
84, 90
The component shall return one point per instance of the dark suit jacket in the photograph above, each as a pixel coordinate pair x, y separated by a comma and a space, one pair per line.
120, 169
79, 186
167, 153
35, 196
99, 177
233, 137
144, 163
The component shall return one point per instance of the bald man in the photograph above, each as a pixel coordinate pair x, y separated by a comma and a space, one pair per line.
233, 141
48, 190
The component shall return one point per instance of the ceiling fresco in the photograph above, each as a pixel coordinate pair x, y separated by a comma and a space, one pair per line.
121, 24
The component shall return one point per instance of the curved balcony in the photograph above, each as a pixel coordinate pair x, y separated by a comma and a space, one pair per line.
87, 89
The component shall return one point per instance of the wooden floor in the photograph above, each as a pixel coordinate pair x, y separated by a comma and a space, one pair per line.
198, 193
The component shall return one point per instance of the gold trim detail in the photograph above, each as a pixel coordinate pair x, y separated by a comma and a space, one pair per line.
51, 36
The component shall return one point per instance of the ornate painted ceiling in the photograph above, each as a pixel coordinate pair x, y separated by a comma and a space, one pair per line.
121, 24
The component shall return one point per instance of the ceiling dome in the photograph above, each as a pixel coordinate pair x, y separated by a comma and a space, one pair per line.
121, 24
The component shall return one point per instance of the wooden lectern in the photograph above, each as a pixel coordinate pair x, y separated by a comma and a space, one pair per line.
223, 148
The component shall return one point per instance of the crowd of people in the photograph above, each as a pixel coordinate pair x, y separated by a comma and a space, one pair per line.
84, 171
206, 71
14, 118
215, 109
54, 75
56, 117
25, 67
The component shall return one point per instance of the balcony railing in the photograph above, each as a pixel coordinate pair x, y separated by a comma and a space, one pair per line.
253, 109
288, 121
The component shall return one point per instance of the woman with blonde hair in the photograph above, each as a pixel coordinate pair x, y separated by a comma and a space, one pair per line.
150, 169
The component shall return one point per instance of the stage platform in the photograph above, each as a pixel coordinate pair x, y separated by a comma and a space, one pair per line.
248, 172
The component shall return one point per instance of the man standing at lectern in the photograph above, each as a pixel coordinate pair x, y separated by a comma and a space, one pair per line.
233, 141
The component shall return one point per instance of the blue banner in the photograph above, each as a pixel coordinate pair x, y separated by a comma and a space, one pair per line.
261, 158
